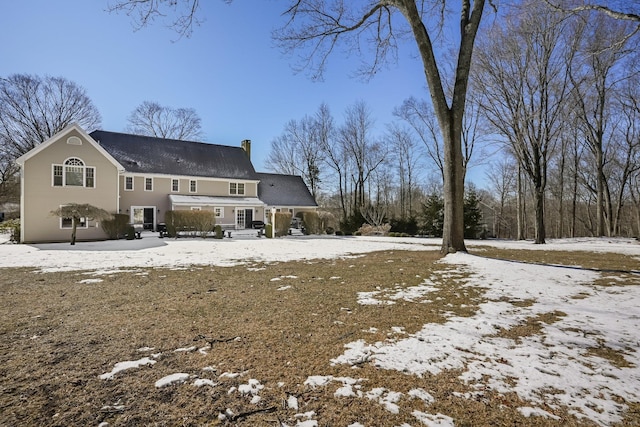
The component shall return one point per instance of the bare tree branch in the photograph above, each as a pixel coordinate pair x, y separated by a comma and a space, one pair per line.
153, 119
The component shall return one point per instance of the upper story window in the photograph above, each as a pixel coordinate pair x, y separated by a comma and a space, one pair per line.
193, 186
175, 185
74, 173
236, 188
148, 184
128, 183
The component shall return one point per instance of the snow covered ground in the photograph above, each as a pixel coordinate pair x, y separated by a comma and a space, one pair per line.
550, 369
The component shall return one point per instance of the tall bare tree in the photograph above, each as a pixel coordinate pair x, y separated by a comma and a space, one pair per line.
34, 108
153, 119
406, 159
297, 151
595, 74
524, 70
315, 28
364, 152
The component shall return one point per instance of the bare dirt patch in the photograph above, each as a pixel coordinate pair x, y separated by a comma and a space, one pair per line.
277, 323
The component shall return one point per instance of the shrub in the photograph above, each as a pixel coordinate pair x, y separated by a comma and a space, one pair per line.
131, 232
327, 221
312, 223
372, 230
217, 232
329, 230
197, 223
13, 227
339, 233
352, 223
407, 225
116, 226
283, 221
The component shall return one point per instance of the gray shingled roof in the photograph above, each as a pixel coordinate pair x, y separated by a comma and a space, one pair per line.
145, 154
284, 190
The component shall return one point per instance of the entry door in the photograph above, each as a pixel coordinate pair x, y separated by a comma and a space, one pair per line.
240, 218
248, 218
144, 216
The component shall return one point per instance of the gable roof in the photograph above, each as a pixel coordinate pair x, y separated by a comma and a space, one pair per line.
146, 154
72, 127
284, 190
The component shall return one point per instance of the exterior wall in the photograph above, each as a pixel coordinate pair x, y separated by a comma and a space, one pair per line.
41, 196
158, 198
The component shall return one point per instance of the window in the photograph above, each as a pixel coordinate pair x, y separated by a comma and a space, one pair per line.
74, 173
219, 212
175, 185
193, 187
128, 183
68, 223
195, 208
236, 188
89, 177
148, 184
57, 175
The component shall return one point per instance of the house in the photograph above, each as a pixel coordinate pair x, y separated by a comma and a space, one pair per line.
144, 177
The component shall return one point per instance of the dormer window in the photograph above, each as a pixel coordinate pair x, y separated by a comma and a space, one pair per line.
74, 173
236, 188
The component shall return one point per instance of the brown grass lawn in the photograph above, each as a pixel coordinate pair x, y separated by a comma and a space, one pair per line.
58, 335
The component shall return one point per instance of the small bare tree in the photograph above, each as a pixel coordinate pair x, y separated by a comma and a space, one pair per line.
77, 211
153, 119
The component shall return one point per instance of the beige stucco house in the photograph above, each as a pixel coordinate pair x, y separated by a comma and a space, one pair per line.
144, 177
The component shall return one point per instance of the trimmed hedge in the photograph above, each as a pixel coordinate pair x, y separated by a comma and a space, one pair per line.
196, 223
283, 222
116, 226
312, 223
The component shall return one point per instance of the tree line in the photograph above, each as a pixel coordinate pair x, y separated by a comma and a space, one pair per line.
553, 94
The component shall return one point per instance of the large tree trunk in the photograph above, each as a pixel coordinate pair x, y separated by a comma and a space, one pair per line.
449, 117
521, 208
540, 227
453, 231
599, 193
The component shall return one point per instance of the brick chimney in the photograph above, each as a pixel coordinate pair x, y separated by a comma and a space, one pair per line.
246, 146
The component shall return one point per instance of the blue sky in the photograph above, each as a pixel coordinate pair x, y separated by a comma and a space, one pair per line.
229, 71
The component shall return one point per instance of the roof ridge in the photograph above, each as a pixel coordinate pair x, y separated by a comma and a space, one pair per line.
172, 140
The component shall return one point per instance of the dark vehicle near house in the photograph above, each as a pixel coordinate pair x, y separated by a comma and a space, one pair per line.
257, 224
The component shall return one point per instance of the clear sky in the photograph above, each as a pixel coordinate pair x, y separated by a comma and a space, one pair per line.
229, 71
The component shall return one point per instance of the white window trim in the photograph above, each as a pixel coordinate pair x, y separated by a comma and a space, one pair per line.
218, 212
133, 181
64, 166
196, 208
177, 190
196, 185
145, 183
79, 226
237, 184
